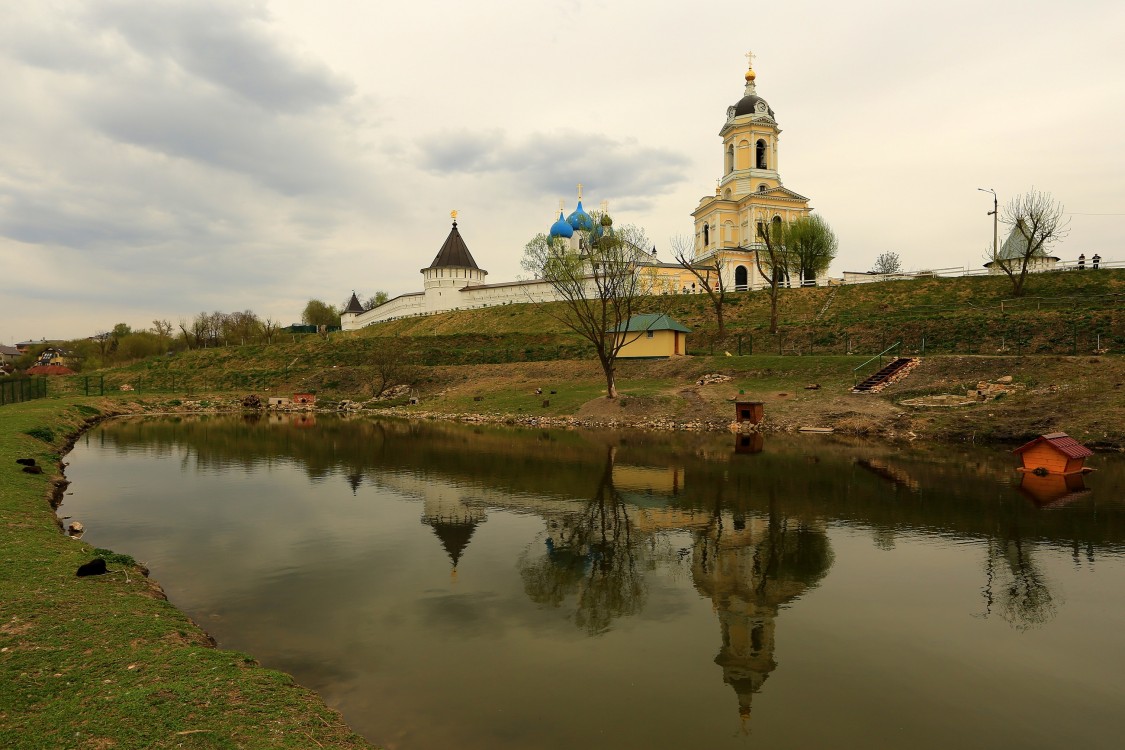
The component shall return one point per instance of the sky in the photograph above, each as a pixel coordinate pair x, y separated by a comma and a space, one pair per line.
160, 158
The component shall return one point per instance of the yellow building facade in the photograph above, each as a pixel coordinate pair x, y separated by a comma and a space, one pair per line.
749, 195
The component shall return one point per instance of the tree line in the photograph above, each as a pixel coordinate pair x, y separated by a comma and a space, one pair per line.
122, 343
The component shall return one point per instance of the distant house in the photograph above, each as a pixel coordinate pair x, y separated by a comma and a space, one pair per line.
25, 346
1054, 453
652, 336
8, 354
54, 356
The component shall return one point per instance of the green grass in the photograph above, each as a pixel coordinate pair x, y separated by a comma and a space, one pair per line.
102, 662
1064, 313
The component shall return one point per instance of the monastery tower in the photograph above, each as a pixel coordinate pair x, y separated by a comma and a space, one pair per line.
749, 194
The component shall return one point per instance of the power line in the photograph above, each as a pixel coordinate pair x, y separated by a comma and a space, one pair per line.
1080, 213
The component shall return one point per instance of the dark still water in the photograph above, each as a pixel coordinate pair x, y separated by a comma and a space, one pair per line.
456, 587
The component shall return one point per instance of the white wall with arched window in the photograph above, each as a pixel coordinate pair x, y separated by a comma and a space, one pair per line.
741, 278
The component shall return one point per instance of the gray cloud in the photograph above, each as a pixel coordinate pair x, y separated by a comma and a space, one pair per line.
163, 154
230, 45
291, 156
553, 162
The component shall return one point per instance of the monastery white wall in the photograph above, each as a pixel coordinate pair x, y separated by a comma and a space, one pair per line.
444, 297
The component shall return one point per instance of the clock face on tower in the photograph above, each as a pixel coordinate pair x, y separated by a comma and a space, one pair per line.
760, 107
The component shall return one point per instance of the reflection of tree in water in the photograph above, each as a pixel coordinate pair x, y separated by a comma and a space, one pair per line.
592, 556
749, 567
1015, 586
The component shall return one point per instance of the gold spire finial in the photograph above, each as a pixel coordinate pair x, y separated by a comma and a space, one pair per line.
750, 75
580, 191
453, 214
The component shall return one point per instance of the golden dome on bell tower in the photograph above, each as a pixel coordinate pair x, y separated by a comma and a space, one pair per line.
750, 74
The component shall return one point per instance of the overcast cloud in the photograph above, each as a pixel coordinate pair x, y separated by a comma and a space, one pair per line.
163, 157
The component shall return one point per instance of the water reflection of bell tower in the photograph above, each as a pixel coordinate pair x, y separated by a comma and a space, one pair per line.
741, 565
452, 520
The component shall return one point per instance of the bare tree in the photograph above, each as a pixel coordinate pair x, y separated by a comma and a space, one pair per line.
709, 273
600, 281
190, 336
270, 327
388, 358
241, 327
886, 264
773, 261
1037, 222
102, 339
162, 328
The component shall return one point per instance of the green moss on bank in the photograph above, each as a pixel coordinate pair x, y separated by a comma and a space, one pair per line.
104, 661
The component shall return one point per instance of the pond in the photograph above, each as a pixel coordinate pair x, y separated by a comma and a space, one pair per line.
479, 587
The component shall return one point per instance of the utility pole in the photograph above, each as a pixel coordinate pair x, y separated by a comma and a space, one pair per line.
995, 214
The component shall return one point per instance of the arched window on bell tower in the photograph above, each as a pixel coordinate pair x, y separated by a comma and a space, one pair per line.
706, 235
730, 158
761, 154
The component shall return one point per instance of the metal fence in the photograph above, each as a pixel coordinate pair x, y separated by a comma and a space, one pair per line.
13, 390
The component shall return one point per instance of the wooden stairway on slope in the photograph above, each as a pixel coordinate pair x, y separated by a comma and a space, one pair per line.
883, 375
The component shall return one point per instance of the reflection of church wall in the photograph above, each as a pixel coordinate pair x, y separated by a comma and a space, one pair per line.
666, 480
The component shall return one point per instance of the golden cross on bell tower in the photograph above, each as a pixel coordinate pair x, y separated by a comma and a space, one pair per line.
580, 191
750, 59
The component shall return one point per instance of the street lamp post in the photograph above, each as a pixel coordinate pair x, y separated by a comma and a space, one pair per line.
995, 214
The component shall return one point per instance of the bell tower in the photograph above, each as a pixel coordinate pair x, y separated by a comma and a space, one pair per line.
750, 137
749, 191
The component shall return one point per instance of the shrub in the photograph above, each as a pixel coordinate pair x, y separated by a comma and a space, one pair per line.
113, 557
46, 434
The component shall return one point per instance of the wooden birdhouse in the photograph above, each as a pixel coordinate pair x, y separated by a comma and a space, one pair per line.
749, 411
1054, 453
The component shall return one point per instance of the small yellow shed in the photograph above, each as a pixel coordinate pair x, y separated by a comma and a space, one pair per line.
652, 336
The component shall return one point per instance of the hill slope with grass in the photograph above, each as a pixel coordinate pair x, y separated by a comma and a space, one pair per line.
1061, 342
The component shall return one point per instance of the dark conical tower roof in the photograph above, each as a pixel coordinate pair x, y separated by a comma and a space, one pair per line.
454, 253
454, 536
354, 305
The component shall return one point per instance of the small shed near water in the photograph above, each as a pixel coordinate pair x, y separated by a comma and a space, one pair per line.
652, 336
1054, 453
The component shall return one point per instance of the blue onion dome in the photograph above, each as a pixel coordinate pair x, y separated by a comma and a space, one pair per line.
561, 229
580, 220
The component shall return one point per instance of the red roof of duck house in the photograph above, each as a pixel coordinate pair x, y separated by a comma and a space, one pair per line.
1062, 442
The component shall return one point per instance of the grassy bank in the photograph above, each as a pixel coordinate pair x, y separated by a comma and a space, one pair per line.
105, 661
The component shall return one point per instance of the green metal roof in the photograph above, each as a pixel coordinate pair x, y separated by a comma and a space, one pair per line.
652, 322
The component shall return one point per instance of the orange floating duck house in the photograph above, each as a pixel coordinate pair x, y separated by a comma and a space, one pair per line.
1054, 453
